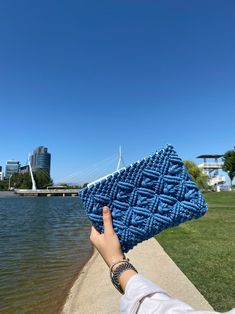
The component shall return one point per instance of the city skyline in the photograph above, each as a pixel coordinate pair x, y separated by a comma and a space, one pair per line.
136, 74
40, 159
79, 180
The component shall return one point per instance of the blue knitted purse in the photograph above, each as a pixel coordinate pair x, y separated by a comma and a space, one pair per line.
145, 198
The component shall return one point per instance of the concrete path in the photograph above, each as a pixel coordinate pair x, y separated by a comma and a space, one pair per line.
94, 293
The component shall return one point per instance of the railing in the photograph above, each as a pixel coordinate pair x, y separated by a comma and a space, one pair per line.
45, 192
216, 180
207, 165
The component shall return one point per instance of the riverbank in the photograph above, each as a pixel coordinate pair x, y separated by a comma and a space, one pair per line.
7, 194
67, 291
93, 292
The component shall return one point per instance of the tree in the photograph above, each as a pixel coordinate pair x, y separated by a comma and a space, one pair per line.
42, 179
4, 184
197, 175
23, 180
229, 164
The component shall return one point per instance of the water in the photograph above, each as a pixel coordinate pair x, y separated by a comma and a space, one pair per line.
43, 245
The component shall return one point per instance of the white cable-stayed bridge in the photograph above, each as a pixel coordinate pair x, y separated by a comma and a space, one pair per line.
96, 171
92, 174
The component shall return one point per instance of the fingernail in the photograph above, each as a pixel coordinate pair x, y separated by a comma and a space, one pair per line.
105, 210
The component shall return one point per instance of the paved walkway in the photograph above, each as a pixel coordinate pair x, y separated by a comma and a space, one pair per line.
94, 293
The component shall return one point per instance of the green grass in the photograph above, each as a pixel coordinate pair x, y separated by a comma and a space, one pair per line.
204, 250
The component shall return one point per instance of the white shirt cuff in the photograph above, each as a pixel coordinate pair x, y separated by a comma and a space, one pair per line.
136, 289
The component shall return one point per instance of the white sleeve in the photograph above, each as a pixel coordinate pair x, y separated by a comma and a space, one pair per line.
144, 297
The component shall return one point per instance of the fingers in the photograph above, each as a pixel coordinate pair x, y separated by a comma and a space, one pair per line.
94, 234
94, 231
107, 220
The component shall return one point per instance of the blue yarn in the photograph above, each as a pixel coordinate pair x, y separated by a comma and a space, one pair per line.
145, 198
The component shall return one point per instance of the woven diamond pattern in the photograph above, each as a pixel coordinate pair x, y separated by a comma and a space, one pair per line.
145, 198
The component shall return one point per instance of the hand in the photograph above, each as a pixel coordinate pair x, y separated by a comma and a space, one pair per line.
107, 243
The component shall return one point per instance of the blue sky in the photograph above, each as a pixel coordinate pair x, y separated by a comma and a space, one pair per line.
82, 77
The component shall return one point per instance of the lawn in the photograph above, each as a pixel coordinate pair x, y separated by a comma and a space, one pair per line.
204, 250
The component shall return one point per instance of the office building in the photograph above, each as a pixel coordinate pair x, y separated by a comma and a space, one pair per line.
1, 174
24, 169
12, 166
41, 160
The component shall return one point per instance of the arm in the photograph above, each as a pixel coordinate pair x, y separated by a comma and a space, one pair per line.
109, 247
141, 295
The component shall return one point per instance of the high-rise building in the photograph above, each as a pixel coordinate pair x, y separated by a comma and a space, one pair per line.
24, 169
1, 173
41, 159
12, 166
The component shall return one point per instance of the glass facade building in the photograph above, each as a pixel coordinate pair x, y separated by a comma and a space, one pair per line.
41, 160
1, 173
12, 166
24, 169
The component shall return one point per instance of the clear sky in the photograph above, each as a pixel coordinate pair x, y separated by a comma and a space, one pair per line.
82, 77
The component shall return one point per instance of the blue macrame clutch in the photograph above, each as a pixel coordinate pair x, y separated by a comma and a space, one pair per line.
145, 198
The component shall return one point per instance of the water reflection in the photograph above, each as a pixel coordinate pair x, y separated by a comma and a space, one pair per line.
43, 244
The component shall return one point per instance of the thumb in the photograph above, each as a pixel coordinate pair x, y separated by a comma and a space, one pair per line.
107, 220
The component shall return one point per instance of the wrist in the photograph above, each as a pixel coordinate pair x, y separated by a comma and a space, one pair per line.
120, 273
115, 265
125, 276
115, 259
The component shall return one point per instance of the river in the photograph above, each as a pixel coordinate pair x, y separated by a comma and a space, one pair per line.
44, 242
